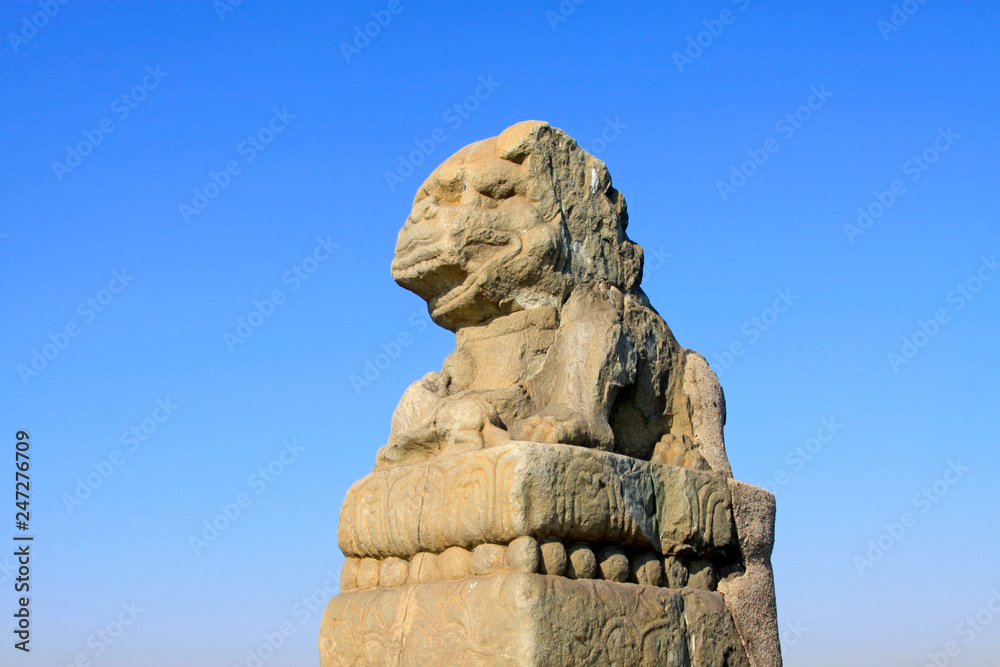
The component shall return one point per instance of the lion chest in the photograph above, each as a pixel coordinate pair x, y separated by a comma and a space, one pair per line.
507, 351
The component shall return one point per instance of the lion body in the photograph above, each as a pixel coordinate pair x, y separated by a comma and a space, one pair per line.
518, 245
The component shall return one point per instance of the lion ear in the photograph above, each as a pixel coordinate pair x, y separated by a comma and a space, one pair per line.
516, 142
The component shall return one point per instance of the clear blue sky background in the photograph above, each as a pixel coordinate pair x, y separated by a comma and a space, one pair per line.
713, 263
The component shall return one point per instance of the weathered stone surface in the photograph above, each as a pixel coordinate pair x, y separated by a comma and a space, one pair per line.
392, 572
349, 574
712, 632
694, 511
750, 596
529, 619
613, 564
423, 568
454, 563
523, 555
568, 435
554, 558
702, 574
488, 559
675, 571
647, 569
501, 493
368, 573
581, 563
679, 451
707, 411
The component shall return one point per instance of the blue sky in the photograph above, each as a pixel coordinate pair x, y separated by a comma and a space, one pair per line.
249, 156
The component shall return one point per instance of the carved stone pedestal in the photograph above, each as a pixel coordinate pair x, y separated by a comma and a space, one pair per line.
573, 494
529, 619
535, 554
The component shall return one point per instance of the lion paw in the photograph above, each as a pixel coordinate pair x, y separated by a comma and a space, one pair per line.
538, 428
551, 429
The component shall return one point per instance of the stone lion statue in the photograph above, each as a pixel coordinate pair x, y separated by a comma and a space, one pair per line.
518, 245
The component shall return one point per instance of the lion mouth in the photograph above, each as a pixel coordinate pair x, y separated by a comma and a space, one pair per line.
410, 262
442, 301
437, 280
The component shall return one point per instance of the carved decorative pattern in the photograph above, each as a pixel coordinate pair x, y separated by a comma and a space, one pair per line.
496, 495
525, 620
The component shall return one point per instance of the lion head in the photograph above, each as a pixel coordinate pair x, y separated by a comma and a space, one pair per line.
513, 222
